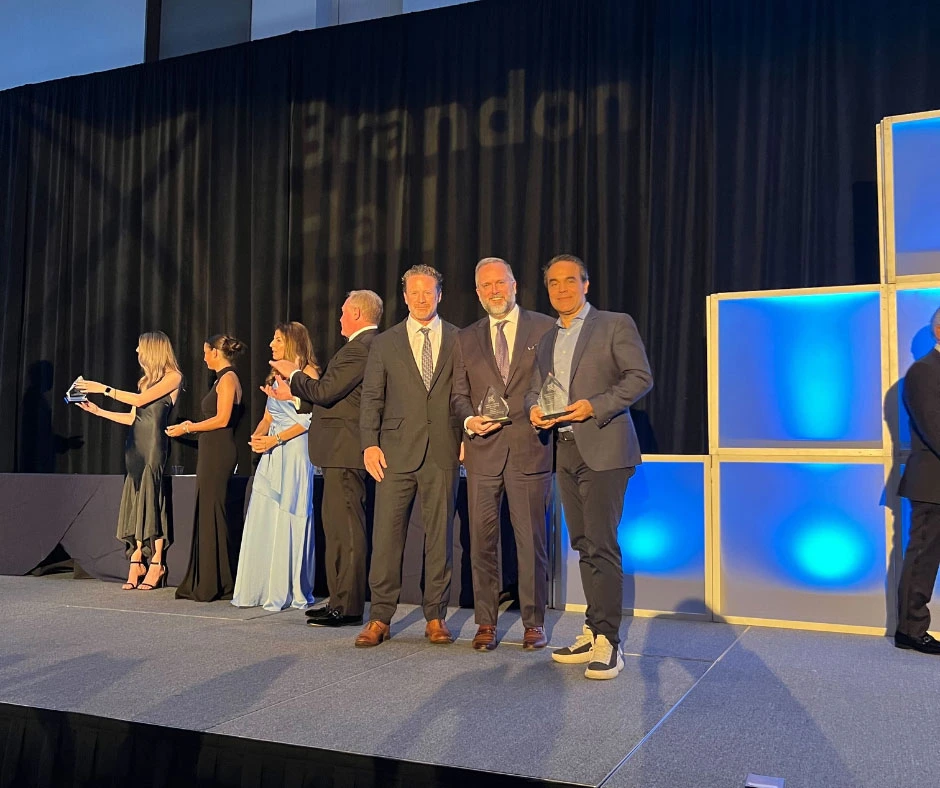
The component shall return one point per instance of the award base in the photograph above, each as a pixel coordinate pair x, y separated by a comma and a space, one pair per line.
554, 415
500, 420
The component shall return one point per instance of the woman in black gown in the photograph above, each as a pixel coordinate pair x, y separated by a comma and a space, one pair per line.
142, 522
210, 574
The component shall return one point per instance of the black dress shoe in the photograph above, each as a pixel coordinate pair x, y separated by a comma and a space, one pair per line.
334, 619
317, 612
925, 644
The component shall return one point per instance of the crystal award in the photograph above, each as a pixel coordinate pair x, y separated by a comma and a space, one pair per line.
493, 407
74, 394
553, 398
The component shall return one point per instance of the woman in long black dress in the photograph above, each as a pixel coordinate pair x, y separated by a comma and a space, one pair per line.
142, 521
210, 574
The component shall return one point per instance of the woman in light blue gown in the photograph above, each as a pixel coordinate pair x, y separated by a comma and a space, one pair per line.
275, 564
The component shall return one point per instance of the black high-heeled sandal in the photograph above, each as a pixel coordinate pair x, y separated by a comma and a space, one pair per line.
131, 585
161, 580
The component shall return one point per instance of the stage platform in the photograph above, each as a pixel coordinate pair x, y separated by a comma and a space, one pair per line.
698, 704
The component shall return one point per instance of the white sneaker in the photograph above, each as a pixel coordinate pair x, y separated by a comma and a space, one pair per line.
579, 651
607, 661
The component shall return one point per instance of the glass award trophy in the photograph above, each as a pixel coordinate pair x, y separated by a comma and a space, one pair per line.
74, 394
493, 407
553, 398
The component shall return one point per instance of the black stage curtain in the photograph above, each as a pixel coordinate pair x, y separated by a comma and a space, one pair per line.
680, 147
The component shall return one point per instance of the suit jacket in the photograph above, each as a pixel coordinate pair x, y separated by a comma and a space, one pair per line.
475, 371
921, 479
399, 414
610, 370
333, 439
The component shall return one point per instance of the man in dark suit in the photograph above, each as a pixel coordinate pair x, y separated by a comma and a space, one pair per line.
599, 359
411, 444
921, 485
335, 446
498, 353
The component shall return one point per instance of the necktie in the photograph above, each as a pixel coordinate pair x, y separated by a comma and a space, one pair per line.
502, 350
427, 367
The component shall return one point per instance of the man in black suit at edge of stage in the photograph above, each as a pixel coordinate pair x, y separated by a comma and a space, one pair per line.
334, 445
920, 484
511, 459
600, 360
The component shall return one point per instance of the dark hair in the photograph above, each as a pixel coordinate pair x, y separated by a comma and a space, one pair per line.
297, 347
565, 258
227, 345
422, 270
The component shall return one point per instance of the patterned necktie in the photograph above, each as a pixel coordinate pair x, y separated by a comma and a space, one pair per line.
427, 366
502, 350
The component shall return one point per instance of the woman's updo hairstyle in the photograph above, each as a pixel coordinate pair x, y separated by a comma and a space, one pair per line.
227, 345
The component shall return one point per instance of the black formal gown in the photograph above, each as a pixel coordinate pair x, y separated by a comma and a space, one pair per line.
210, 575
143, 517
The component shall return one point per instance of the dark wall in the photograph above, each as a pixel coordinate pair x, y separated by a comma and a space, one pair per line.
681, 147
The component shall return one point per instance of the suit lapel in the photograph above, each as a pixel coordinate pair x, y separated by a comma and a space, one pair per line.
583, 338
486, 348
404, 351
448, 337
518, 348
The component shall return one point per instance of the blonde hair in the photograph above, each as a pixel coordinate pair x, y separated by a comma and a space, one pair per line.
156, 358
297, 346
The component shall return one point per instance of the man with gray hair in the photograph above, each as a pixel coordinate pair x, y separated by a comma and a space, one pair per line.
497, 354
334, 445
921, 485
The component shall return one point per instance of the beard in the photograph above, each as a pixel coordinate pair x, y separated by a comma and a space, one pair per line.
500, 308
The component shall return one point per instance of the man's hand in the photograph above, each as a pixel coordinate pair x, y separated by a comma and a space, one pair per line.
537, 419
479, 425
463, 452
374, 459
284, 367
282, 392
581, 410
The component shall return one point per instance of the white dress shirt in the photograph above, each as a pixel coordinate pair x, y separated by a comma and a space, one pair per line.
512, 323
416, 339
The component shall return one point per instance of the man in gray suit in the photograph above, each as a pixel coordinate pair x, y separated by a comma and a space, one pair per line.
411, 444
498, 353
600, 360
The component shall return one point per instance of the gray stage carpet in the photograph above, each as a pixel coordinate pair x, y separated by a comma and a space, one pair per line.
698, 704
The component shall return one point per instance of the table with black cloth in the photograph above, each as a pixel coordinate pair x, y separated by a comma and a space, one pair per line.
79, 512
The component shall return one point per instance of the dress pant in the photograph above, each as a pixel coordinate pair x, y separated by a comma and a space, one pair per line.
529, 498
593, 503
919, 572
436, 490
344, 528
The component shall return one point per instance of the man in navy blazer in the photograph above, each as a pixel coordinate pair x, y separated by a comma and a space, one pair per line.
498, 353
921, 485
411, 447
599, 358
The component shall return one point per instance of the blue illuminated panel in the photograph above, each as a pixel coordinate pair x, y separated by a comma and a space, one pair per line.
915, 340
801, 370
662, 541
803, 542
916, 151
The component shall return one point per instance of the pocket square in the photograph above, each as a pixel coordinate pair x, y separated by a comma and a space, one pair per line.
532, 347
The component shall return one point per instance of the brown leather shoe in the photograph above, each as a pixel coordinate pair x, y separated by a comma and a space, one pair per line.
534, 638
437, 632
485, 638
372, 634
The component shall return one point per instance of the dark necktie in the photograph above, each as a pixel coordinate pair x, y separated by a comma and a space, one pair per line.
427, 367
502, 350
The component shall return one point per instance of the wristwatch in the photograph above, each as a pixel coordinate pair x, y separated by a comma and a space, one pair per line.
107, 391
278, 439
